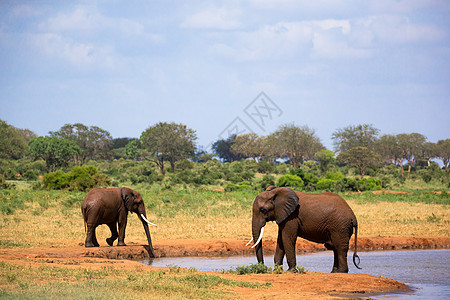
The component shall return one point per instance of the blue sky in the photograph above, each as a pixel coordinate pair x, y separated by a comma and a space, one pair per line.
126, 65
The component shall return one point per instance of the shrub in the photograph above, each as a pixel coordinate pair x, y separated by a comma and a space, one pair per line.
242, 186
258, 268
78, 178
334, 176
325, 184
289, 180
369, 184
267, 181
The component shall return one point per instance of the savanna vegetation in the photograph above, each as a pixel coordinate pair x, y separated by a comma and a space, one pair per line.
192, 194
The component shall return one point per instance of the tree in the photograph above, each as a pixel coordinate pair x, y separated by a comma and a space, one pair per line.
93, 140
56, 152
248, 145
354, 136
296, 143
360, 158
169, 142
132, 149
411, 146
223, 149
325, 157
443, 151
13, 143
388, 148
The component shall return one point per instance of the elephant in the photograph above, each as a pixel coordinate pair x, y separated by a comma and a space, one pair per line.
318, 217
111, 206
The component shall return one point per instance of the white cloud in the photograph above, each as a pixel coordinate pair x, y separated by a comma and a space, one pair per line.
214, 18
398, 29
288, 40
79, 55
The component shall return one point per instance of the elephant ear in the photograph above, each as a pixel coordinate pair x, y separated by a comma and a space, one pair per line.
285, 202
128, 198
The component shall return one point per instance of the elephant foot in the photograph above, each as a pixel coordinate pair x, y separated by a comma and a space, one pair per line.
110, 241
121, 244
293, 270
88, 245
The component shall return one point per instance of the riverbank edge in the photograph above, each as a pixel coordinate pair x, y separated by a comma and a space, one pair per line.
219, 247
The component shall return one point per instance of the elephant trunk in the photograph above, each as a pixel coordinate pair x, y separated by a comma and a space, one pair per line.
257, 231
151, 252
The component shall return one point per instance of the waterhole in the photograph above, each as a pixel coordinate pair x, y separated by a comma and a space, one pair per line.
427, 272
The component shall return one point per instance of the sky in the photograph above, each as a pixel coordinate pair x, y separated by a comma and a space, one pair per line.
225, 67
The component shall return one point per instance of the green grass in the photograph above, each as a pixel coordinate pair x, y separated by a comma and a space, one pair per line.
410, 196
48, 282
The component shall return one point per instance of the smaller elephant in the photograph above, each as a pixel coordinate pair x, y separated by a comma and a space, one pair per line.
111, 206
318, 217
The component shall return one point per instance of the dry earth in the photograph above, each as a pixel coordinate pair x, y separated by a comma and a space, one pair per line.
286, 286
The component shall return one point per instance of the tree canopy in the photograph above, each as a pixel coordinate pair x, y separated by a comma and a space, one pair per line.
56, 152
169, 142
93, 141
13, 141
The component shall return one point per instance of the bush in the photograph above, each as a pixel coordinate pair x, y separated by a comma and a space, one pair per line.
78, 178
258, 268
289, 180
267, 181
369, 184
242, 186
334, 176
325, 184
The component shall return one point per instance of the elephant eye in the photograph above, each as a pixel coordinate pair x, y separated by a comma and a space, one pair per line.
263, 210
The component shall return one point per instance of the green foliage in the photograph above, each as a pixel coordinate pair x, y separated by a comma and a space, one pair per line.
289, 180
13, 144
258, 268
56, 152
78, 179
369, 184
267, 181
325, 184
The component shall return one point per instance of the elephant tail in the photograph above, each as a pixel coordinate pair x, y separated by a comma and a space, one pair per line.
355, 254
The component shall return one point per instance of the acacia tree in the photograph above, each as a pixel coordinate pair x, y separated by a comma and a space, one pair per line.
249, 145
169, 142
296, 143
360, 158
363, 135
56, 152
411, 146
388, 148
443, 151
94, 141
13, 141
223, 149
326, 158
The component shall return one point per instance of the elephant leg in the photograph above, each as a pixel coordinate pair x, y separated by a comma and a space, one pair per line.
340, 249
114, 233
94, 238
329, 245
91, 240
289, 238
122, 227
279, 252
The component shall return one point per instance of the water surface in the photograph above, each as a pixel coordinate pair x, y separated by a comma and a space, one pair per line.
427, 272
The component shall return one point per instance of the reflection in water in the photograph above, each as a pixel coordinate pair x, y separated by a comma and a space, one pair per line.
425, 270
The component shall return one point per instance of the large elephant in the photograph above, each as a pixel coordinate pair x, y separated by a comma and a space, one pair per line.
318, 217
111, 206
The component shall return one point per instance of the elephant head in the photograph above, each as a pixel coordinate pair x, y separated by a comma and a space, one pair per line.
133, 202
274, 204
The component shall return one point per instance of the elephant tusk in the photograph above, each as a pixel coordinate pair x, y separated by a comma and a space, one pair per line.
249, 242
260, 237
145, 219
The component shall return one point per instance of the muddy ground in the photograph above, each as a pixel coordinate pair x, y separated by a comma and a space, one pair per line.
286, 286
